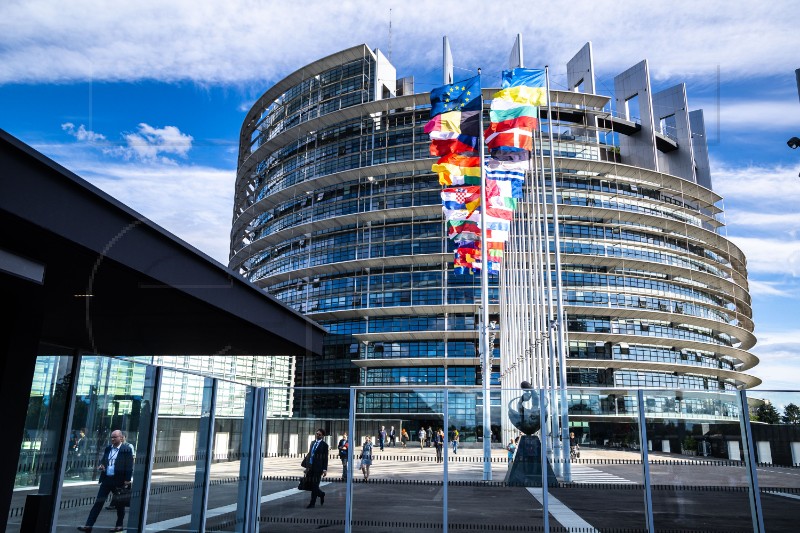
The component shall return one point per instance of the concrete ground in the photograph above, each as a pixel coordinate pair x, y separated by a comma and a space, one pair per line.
405, 491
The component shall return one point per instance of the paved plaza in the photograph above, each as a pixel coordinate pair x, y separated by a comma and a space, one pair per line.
406, 491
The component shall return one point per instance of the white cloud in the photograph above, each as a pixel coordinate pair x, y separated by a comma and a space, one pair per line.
193, 202
779, 354
241, 40
776, 184
744, 115
81, 133
149, 143
772, 256
769, 288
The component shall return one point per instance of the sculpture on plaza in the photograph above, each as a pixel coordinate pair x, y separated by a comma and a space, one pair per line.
524, 410
524, 413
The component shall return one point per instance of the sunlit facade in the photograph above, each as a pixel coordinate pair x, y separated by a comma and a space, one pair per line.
337, 214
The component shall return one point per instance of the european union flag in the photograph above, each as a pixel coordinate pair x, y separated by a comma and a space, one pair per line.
462, 96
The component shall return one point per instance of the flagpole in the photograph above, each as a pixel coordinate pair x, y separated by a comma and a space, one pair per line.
562, 444
552, 404
486, 352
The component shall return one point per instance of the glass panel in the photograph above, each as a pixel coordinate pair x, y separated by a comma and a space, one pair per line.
696, 462
288, 438
179, 425
515, 483
110, 397
39, 454
604, 429
403, 487
223, 489
775, 424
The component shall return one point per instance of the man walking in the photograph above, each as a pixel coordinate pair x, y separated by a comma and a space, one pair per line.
343, 445
382, 436
316, 465
392, 437
456, 438
116, 470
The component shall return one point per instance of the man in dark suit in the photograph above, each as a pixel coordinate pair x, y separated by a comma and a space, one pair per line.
316, 465
116, 470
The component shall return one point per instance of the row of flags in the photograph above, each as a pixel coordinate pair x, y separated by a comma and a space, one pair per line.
456, 136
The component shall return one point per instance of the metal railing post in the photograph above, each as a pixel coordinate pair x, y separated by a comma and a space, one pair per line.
204, 456
648, 494
351, 435
750, 463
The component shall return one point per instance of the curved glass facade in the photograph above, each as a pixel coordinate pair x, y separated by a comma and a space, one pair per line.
338, 215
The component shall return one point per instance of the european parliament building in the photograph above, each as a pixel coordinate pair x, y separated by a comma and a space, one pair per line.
338, 214
349, 315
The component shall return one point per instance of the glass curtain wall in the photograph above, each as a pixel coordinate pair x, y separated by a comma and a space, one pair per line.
43, 443
287, 443
642, 460
775, 429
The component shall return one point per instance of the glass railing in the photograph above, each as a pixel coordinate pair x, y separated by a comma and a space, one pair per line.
216, 454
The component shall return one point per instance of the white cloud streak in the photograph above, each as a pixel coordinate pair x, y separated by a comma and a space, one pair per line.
193, 202
779, 353
768, 288
81, 133
148, 144
770, 256
244, 41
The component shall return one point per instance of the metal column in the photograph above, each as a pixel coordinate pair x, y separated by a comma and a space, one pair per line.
143, 464
750, 463
203, 456
51, 482
351, 436
648, 494
250, 464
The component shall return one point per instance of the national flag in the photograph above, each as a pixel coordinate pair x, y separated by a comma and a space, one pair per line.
462, 221
510, 172
510, 154
463, 226
499, 202
531, 82
515, 138
454, 123
459, 145
463, 230
496, 223
496, 235
468, 256
455, 198
455, 169
494, 268
462, 96
526, 122
503, 110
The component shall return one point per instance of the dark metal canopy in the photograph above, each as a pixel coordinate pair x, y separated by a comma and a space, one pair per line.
114, 283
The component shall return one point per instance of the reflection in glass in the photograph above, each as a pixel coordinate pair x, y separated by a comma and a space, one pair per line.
38, 467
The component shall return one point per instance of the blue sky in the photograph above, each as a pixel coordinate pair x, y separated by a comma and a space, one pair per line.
146, 100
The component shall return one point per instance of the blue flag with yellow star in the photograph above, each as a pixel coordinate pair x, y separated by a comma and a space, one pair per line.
462, 96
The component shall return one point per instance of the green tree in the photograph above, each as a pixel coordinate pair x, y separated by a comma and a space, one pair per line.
768, 414
791, 414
